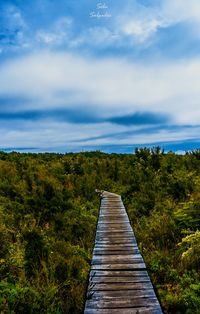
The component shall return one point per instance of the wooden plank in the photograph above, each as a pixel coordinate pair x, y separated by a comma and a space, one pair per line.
112, 203
119, 282
113, 221
110, 224
120, 286
110, 235
124, 244
112, 213
112, 244
113, 206
116, 241
120, 273
110, 249
107, 229
107, 226
111, 218
114, 252
113, 210
96, 260
103, 250
118, 266
120, 294
115, 259
115, 233
117, 279
115, 229
122, 303
136, 310
115, 247
120, 241
112, 239
115, 225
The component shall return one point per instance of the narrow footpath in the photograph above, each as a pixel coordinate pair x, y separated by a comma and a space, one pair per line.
119, 282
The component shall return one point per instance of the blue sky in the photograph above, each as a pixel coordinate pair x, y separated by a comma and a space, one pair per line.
84, 75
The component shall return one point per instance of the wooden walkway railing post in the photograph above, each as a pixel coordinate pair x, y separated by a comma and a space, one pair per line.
119, 282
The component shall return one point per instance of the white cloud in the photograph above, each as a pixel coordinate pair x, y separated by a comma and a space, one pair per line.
50, 134
58, 34
59, 79
141, 22
47, 134
95, 36
141, 30
131, 24
108, 86
181, 10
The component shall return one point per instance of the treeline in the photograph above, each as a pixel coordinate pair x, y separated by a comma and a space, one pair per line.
48, 216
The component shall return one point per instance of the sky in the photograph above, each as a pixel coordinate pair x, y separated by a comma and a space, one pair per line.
99, 75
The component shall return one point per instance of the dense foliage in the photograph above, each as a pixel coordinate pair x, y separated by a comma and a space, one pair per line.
48, 215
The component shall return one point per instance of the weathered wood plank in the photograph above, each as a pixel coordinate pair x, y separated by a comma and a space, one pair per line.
123, 273
114, 230
118, 266
120, 286
131, 241
113, 225
125, 303
116, 225
115, 246
112, 248
107, 222
116, 259
113, 239
114, 219
136, 310
111, 218
114, 252
119, 282
126, 231
120, 294
115, 234
117, 279
123, 261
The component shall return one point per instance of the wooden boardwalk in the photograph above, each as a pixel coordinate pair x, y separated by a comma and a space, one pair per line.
119, 282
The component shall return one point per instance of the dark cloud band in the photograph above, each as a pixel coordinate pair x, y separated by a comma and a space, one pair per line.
80, 116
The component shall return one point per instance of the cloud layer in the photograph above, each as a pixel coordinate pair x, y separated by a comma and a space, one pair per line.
61, 80
133, 26
69, 80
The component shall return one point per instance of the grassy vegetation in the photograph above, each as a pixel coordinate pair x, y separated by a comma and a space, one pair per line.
48, 215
